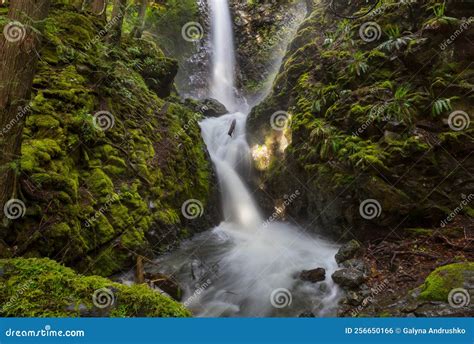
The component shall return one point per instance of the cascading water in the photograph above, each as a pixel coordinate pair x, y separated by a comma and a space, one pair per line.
243, 267
223, 54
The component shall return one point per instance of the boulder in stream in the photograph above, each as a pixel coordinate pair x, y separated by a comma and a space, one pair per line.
314, 275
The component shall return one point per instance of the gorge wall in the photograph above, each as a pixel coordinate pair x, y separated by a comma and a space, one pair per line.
374, 108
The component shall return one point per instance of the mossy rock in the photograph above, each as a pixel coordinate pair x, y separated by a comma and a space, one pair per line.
70, 168
441, 281
44, 288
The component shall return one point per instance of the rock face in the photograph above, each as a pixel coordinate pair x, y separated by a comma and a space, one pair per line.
340, 102
348, 251
106, 162
313, 276
262, 31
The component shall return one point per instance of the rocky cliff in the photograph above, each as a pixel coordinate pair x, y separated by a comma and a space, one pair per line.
373, 109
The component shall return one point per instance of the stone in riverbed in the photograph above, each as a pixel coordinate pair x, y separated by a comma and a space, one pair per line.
307, 314
348, 251
349, 278
314, 275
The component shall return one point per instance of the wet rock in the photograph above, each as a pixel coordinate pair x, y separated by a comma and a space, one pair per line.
314, 275
307, 314
164, 283
441, 309
348, 251
212, 108
83, 310
357, 264
354, 298
348, 278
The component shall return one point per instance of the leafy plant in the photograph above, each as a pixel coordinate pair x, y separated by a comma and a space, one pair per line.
440, 106
439, 19
397, 39
358, 64
402, 104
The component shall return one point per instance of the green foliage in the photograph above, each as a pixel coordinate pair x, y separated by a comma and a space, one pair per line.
167, 21
358, 65
440, 106
44, 288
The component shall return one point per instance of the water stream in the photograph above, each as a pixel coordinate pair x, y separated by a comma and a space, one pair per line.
243, 267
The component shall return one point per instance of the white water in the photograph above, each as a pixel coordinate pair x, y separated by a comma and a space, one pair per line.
233, 269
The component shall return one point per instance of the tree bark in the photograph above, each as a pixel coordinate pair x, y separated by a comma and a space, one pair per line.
138, 29
116, 22
18, 58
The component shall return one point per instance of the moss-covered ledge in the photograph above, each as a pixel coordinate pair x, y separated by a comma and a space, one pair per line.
444, 279
45, 288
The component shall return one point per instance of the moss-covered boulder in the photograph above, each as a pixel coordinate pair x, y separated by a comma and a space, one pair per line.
44, 288
442, 281
106, 162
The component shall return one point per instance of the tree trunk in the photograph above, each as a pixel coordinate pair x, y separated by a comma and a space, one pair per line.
138, 29
18, 57
116, 22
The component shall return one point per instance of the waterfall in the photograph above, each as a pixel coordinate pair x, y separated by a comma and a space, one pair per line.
223, 54
246, 266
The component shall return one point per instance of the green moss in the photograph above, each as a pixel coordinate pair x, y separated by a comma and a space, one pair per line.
99, 183
419, 231
44, 288
442, 280
71, 168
